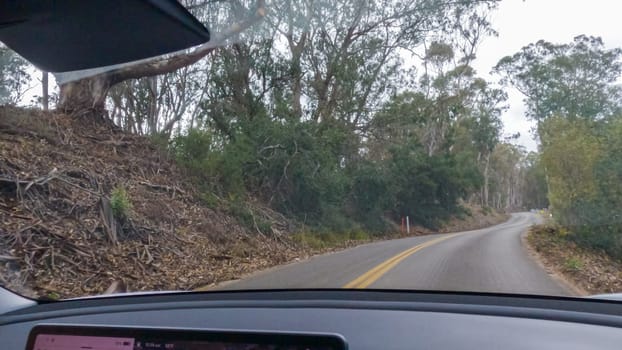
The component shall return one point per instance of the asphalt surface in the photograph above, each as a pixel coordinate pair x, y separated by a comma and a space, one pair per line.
487, 260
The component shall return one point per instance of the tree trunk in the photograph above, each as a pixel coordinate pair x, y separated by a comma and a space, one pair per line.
85, 96
88, 95
152, 117
296, 50
486, 181
45, 98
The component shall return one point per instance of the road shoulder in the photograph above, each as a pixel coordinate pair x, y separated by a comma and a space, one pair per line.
581, 270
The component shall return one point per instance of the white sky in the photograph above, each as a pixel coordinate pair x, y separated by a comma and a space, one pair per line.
521, 22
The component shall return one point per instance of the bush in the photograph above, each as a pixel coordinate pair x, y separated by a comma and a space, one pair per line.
427, 188
358, 235
486, 210
573, 264
241, 212
264, 226
310, 240
317, 174
584, 165
324, 239
247, 218
209, 199
120, 203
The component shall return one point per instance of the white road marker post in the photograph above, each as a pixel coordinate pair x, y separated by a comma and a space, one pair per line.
407, 225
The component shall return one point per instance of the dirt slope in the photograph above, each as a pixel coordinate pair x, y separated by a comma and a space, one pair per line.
58, 238
590, 271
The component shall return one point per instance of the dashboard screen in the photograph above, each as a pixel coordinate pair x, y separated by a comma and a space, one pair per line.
115, 338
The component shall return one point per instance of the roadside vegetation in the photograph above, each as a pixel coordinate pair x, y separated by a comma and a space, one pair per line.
309, 130
590, 270
572, 93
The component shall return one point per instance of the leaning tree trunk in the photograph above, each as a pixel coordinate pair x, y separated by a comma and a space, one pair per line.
87, 96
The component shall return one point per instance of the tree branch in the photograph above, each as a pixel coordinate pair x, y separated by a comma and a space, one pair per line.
169, 64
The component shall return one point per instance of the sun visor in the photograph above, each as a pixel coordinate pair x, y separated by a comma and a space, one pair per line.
70, 35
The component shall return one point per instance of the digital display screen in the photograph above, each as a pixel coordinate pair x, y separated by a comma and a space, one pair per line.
114, 338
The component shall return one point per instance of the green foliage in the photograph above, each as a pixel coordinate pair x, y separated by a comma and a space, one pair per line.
120, 202
574, 80
570, 156
317, 131
358, 235
245, 216
160, 140
264, 226
241, 212
209, 199
487, 210
315, 182
311, 240
320, 240
507, 172
571, 91
53, 296
573, 264
13, 76
583, 161
536, 188
428, 188
371, 195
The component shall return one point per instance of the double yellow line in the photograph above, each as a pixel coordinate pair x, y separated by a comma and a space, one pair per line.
371, 276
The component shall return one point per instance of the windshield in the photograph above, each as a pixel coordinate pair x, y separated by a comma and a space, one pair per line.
422, 145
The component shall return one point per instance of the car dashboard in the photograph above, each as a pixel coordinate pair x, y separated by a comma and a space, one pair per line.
320, 319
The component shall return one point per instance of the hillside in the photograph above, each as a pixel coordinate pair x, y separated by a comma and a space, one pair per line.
59, 238
85, 206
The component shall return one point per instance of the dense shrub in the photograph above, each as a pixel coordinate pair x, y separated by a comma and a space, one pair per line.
317, 175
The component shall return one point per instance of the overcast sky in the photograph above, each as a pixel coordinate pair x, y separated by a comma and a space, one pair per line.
521, 22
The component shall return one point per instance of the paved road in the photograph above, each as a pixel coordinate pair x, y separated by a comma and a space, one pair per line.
487, 260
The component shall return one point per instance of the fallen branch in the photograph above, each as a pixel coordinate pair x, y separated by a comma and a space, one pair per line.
8, 258
221, 257
116, 287
162, 187
40, 181
11, 214
108, 220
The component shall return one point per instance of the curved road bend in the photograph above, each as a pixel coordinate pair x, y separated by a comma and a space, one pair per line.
487, 260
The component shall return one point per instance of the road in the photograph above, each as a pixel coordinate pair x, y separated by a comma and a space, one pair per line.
487, 260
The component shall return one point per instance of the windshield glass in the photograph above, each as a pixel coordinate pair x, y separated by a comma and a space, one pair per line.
422, 145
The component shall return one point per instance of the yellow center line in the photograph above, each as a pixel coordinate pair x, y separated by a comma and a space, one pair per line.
371, 276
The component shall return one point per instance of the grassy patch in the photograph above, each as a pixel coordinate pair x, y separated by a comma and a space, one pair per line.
358, 235
209, 199
120, 203
573, 264
53, 296
324, 240
161, 141
592, 271
310, 240
241, 212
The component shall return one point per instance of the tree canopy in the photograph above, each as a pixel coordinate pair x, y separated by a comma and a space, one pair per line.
574, 80
13, 76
